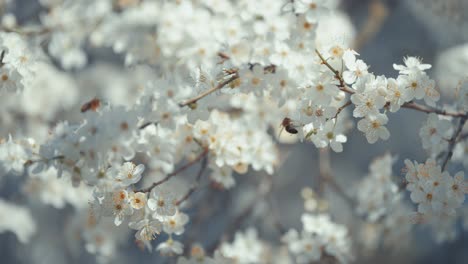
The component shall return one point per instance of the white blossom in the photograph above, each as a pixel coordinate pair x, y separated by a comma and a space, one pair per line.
374, 128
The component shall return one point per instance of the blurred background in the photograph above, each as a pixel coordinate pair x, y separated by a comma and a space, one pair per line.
436, 30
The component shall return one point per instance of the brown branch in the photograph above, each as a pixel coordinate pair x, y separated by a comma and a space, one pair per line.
453, 140
410, 105
425, 109
29, 32
342, 86
147, 124
2, 56
261, 193
30, 162
224, 57
209, 91
341, 109
462, 137
197, 181
181, 169
276, 219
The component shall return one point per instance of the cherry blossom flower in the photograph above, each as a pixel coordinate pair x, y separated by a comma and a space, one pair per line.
412, 64
127, 173
356, 68
138, 200
170, 247
434, 133
246, 247
175, 224
162, 201
147, 229
373, 127
313, 9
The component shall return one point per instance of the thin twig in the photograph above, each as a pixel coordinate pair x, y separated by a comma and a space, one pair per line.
343, 87
2, 56
453, 140
209, 91
425, 109
234, 225
197, 181
410, 105
341, 109
327, 177
147, 124
29, 32
462, 137
30, 162
170, 175
276, 219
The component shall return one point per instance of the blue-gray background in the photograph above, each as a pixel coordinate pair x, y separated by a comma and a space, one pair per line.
406, 31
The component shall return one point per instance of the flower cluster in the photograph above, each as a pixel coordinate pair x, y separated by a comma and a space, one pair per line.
320, 238
112, 106
377, 193
246, 248
17, 63
435, 134
437, 194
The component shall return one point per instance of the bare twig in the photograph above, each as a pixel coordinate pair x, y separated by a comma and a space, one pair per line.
224, 57
203, 154
425, 109
343, 87
197, 181
453, 140
209, 91
462, 137
2, 56
327, 177
29, 32
341, 109
147, 124
263, 189
410, 105
30, 162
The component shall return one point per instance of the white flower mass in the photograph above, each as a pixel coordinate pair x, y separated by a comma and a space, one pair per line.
167, 123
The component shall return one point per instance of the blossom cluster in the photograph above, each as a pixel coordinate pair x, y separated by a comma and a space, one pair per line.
437, 194
320, 238
211, 88
378, 193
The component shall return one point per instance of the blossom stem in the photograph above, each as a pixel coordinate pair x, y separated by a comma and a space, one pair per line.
263, 190
30, 162
341, 109
343, 87
40, 31
174, 173
425, 109
453, 140
203, 165
2, 56
209, 91
327, 177
410, 105
462, 137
